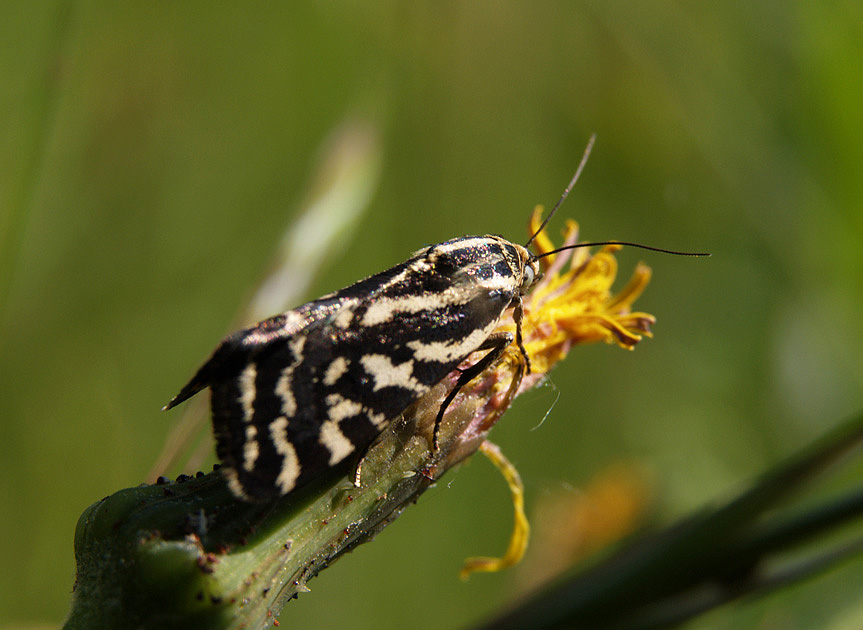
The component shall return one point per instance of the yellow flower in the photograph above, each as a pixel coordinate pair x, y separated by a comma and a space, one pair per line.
575, 305
572, 304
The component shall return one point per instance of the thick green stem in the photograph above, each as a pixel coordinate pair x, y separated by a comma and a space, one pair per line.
189, 554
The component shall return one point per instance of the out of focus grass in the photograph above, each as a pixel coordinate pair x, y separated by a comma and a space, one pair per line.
151, 155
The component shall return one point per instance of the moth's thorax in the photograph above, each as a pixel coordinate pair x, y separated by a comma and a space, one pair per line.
524, 266
489, 261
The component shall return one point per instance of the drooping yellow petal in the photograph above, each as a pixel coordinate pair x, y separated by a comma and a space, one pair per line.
521, 528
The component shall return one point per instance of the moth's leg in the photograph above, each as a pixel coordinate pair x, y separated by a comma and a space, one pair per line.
514, 386
518, 316
496, 343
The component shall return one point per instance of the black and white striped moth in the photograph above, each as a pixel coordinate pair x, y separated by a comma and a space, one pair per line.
300, 392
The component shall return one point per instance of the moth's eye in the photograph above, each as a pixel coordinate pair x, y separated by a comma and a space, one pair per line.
527, 278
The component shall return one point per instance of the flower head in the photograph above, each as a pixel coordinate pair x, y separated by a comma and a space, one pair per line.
572, 304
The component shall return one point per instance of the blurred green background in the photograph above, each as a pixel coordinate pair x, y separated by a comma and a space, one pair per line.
151, 154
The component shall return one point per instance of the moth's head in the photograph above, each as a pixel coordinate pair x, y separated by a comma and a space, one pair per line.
530, 270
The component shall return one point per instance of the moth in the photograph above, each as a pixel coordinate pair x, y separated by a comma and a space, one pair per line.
298, 393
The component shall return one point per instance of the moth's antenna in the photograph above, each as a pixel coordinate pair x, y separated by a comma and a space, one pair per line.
625, 244
575, 177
